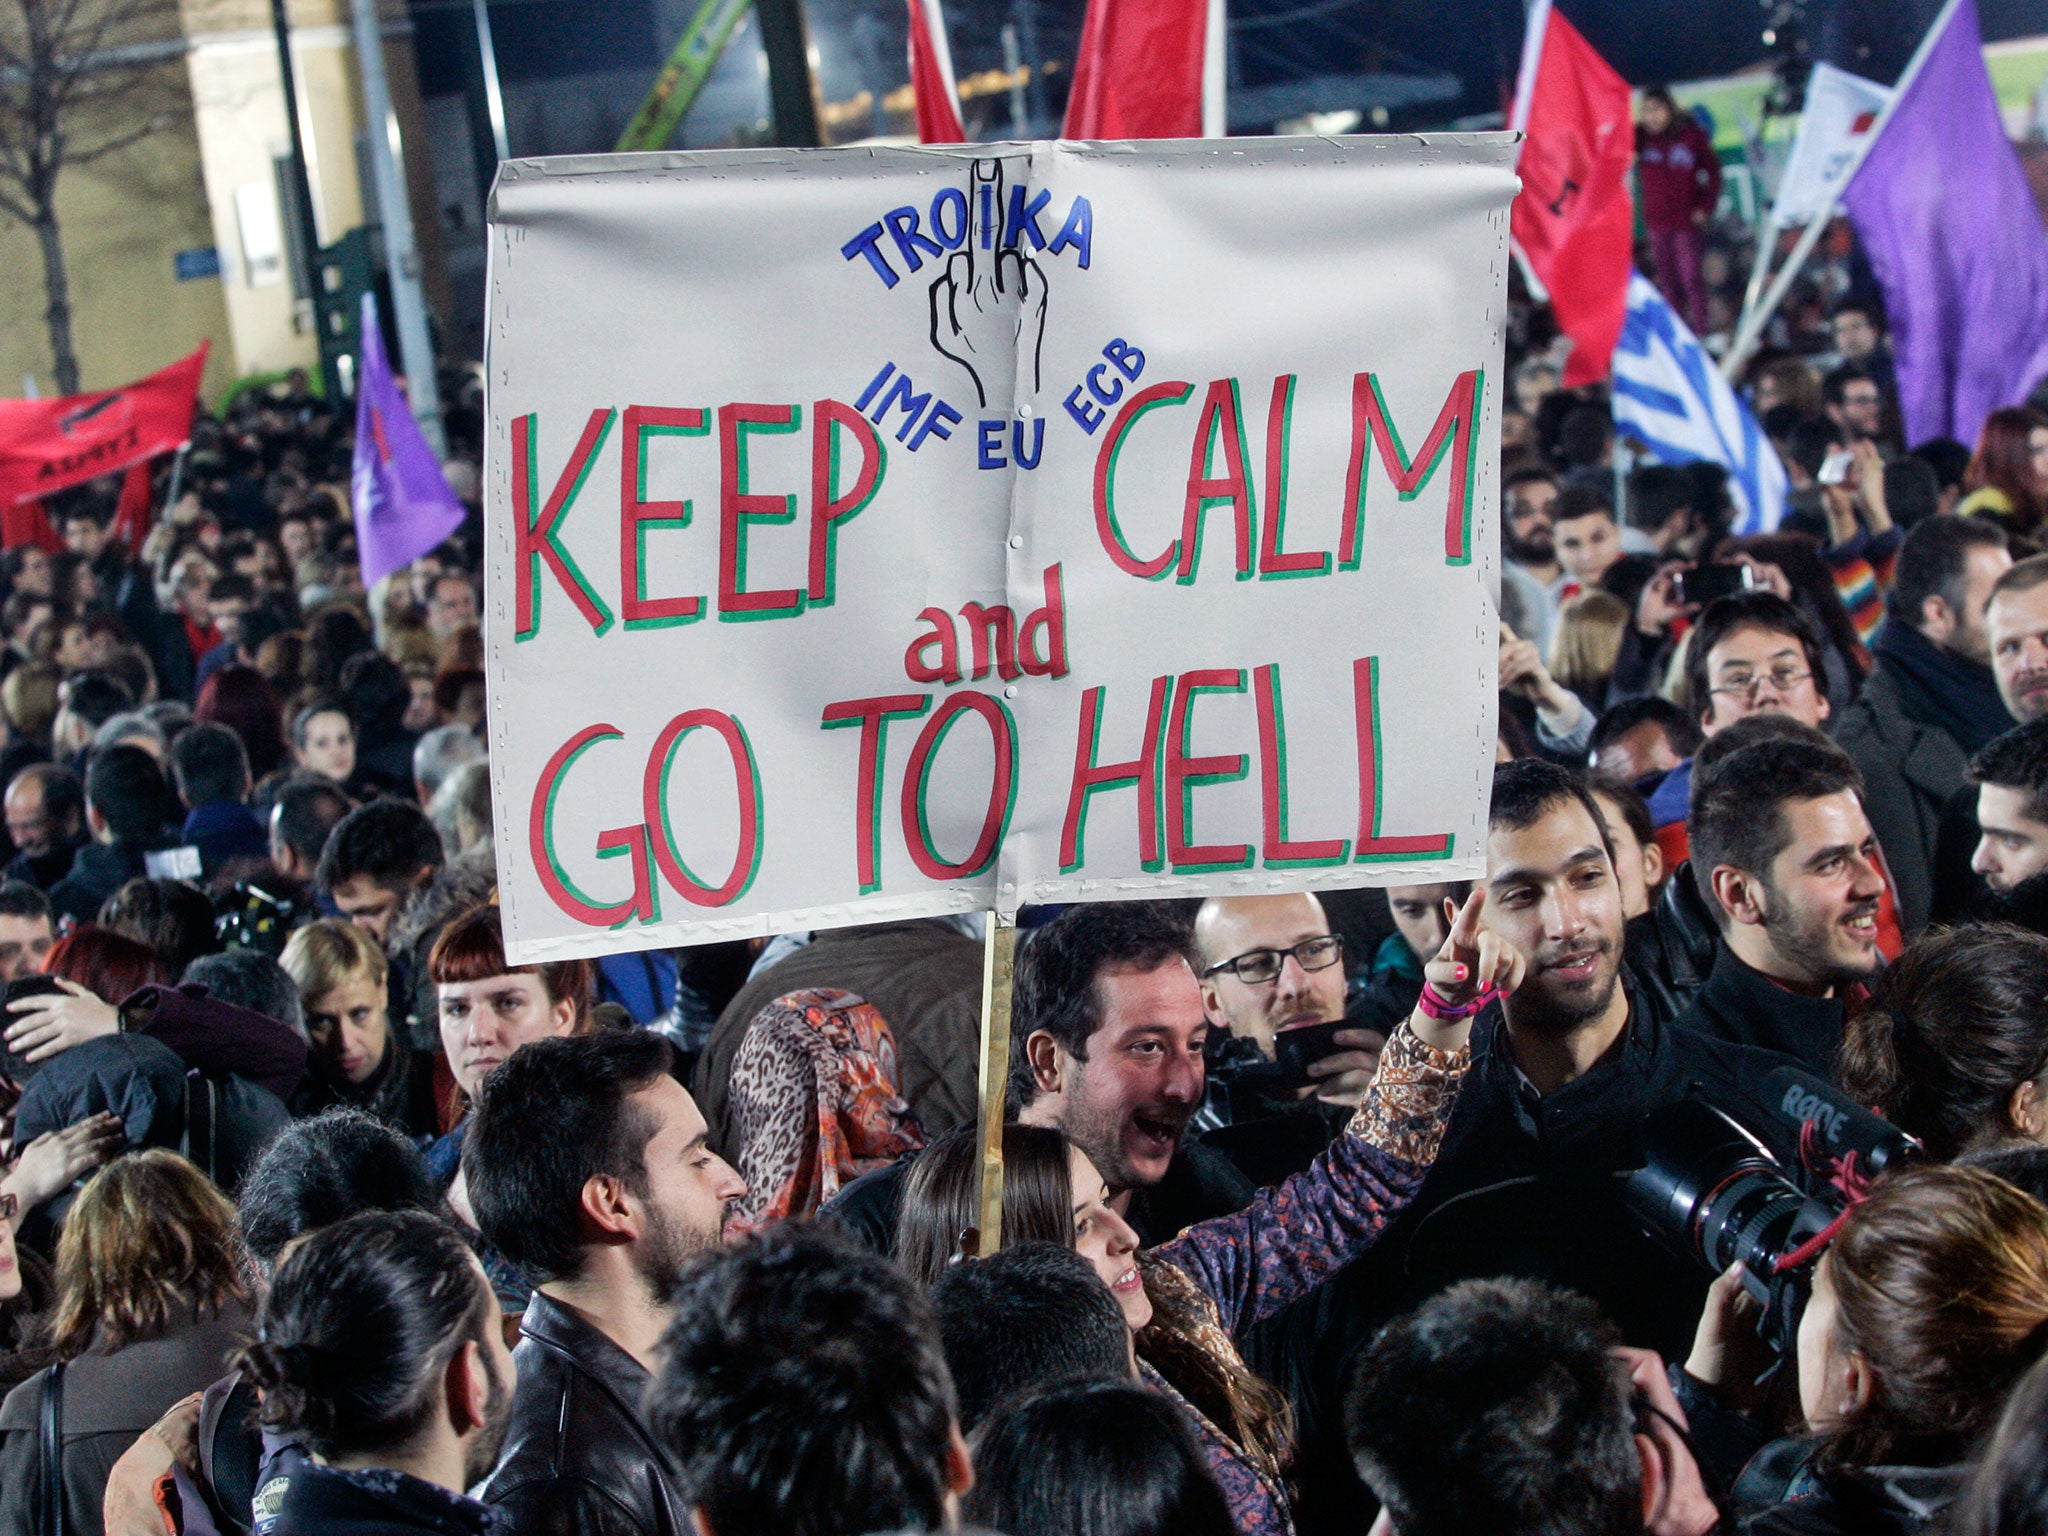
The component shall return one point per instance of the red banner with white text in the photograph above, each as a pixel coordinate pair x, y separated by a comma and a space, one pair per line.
49, 445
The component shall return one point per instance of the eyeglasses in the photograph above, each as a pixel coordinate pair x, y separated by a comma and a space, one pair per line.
1745, 684
1255, 967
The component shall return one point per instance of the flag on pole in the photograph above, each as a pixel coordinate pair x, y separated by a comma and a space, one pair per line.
1841, 110
1573, 222
1148, 69
931, 76
403, 506
1944, 212
1669, 394
48, 445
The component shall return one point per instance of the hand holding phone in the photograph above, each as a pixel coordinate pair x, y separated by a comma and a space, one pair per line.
1296, 1047
1703, 583
1835, 468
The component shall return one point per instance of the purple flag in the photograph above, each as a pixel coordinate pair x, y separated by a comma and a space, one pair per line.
1944, 211
403, 505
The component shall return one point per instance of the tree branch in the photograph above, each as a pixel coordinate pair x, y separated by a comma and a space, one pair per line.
114, 145
69, 96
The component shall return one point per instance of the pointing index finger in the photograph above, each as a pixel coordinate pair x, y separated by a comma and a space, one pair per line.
1465, 930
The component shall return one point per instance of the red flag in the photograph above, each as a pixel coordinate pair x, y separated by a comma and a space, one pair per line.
931, 76
1148, 69
28, 522
1573, 221
132, 516
46, 445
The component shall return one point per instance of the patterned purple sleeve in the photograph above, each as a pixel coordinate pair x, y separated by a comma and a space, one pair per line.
1292, 1238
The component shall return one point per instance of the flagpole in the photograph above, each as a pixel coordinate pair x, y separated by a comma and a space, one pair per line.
1752, 329
177, 480
394, 213
998, 962
1215, 52
1760, 269
942, 54
1534, 27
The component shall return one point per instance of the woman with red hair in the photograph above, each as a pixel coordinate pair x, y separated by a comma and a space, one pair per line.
107, 964
96, 968
240, 698
2008, 475
490, 1008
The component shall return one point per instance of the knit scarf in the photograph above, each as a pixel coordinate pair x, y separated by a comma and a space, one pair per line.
1937, 687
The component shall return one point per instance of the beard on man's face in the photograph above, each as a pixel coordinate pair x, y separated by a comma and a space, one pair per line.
1568, 986
1539, 547
1811, 942
668, 1247
1129, 1146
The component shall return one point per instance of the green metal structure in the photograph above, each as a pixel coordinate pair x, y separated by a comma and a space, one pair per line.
682, 77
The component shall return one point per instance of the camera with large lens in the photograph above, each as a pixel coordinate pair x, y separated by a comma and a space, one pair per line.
1711, 1192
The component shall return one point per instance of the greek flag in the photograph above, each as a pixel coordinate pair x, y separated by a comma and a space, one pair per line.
1669, 394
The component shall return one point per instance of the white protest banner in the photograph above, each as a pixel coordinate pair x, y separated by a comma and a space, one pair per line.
879, 533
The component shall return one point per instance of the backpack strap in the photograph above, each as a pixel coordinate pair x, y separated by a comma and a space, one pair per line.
50, 1431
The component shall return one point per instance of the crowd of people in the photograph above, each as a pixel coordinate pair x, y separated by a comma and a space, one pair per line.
1319, 1214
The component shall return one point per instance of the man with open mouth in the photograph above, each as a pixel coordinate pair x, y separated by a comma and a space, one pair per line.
1786, 862
1107, 1035
1106, 1045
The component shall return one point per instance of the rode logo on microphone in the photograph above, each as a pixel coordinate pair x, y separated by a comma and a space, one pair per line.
1803, 1105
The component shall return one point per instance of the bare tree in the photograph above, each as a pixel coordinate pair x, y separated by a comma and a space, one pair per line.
79, 80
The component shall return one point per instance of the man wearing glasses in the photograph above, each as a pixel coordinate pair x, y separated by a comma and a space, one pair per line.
1854, 401
1750, 654
1269, 965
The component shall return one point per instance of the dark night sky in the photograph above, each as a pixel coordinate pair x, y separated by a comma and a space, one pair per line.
1476, 40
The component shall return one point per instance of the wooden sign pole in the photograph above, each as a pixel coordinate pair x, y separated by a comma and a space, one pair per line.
999, 950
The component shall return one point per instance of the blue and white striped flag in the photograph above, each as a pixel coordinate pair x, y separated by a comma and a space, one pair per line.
1669, 394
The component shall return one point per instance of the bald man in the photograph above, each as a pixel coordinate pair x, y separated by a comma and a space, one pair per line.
1271, 963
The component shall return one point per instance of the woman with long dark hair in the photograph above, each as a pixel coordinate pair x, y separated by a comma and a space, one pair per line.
333, 635
2008, 1493
239, 698
1189, 1301
1954, 1047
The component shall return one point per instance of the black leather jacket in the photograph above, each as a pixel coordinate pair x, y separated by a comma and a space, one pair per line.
578, 1459
1670, 949
1527, 1185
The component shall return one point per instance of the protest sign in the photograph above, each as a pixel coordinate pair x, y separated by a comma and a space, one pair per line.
880, 533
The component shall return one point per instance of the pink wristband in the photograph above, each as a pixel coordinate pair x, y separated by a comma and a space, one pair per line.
1435, 1005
